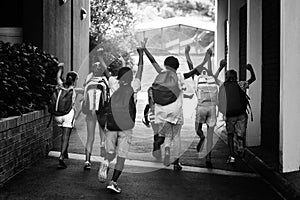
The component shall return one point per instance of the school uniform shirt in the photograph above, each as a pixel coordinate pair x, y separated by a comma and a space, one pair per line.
172, 112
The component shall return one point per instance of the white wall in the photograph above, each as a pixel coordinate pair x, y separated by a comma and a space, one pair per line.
289, 83
254, 57
233, 16
221, 16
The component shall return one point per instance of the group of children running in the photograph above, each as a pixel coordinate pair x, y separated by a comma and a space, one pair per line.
116, 111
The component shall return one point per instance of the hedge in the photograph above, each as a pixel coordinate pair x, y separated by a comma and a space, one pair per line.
27, 76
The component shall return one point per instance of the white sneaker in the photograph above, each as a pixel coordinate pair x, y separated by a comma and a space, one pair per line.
87, 165
231, 160
102, 173
114, 187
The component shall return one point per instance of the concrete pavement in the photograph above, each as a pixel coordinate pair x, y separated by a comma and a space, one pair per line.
44, 181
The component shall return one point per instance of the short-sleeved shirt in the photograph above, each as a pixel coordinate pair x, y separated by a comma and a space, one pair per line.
113, 84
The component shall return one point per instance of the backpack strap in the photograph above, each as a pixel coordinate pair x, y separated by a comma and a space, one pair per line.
249, 105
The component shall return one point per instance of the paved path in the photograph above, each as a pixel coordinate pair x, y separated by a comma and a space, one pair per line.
44, 181
141, 147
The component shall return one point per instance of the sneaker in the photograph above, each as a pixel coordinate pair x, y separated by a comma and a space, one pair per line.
231, 160
61, 164
200, 144
177, 167
102, 173
113, 186
87, 165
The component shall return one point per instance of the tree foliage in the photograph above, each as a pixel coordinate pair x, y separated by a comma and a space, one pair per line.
110, 30
27, 76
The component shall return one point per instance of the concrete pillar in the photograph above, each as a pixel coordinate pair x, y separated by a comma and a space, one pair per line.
80, 42
221, 16
289, 82
233, 17
254, 57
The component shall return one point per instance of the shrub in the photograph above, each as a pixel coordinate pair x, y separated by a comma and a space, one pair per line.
27, 76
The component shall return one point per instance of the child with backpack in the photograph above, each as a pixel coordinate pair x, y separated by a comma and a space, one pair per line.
233, 102
62, 106
167, 92
121, 112
96, 95
206, 88
149, 117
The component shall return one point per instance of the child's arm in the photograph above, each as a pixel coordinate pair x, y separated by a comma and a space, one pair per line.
151, 58
209, 66
198, 69
106, 72
252, 77
59, 74
188, 58
223, 64
122, 60
140, 64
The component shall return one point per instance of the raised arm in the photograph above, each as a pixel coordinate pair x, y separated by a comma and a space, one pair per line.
59, 74
252, 74
122, 60
209, 67
103, 64
198, 69
223, 64
140, 64
151, 58
188, 58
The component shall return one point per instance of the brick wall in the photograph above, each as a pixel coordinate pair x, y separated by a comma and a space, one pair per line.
23, 141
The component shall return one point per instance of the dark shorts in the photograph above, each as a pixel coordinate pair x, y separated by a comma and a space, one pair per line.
237, 125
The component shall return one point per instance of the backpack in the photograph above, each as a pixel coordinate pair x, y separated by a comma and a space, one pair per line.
121, 109
61, 102
96, 96
207, 90
233, 101
165, 88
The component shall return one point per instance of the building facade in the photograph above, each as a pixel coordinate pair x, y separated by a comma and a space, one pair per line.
265, 34
59, 27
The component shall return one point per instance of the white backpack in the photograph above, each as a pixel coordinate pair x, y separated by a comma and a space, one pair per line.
96, 95
207, 90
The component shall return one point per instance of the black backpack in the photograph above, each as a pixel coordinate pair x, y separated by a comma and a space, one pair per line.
165, 88
121, 109
61, 101
233, 101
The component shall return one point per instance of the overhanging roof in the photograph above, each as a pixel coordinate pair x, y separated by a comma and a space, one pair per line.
175, 21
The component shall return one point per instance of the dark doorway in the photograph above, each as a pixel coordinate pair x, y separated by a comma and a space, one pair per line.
270, 76
243, 42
